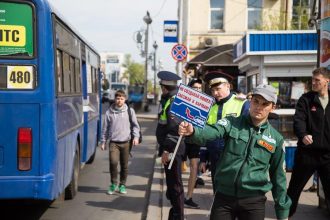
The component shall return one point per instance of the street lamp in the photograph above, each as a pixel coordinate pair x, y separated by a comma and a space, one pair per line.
147, 19
155, 70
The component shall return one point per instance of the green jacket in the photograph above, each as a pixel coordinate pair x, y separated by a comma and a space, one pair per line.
252, 162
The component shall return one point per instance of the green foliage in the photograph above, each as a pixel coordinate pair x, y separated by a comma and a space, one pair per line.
134, 71
275, 22
300, 18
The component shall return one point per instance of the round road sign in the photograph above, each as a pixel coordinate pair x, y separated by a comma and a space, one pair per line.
179, 52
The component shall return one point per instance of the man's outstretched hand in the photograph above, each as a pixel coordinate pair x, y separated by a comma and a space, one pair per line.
185, 129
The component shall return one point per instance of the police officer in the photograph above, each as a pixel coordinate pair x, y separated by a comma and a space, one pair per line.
168, 85
167, 138
227, 104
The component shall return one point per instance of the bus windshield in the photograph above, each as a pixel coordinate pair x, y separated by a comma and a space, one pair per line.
16, 30
118, 86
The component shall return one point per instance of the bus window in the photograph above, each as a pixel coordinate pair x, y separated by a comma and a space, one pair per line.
66, 73
96, 80
78, 75
16, 30
59, 71
72, 76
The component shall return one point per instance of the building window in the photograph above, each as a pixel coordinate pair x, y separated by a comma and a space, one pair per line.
216, 13
254, 14
252, 82
300, 14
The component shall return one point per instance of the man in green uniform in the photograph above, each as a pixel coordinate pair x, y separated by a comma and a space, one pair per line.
252, 161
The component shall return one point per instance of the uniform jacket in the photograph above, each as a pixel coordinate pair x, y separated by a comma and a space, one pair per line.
311, 119
252, 162
167, 131
230, 105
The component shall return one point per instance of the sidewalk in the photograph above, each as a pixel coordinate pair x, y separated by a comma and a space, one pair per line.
159, 206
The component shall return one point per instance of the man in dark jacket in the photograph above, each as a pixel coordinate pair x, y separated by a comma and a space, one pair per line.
167, 137
312, 127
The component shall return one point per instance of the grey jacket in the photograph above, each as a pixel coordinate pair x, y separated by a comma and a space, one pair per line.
116, 126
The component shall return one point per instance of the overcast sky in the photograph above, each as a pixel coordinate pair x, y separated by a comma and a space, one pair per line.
109, 25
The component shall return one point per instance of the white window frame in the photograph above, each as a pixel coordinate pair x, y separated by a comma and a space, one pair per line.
308, 11
253, 9
215, 10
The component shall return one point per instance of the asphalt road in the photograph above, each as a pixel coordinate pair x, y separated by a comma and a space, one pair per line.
92, 202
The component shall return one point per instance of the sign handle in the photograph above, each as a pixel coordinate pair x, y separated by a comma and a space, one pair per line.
174, 153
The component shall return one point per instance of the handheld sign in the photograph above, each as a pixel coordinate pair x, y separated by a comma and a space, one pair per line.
191, 106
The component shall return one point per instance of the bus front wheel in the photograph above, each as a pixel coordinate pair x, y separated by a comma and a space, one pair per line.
72, 189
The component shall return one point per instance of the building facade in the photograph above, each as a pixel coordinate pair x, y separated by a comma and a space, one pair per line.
209, 23
112, 67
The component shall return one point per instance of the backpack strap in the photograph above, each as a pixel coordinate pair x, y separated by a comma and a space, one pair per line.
131, 126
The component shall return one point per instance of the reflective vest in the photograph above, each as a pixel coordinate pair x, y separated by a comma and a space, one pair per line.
163, 116
232, 107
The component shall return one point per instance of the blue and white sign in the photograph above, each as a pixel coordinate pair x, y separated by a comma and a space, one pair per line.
192, 106
170, 31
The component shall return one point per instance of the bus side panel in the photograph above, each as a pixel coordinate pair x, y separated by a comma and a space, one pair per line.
69, 130
91, 125
65, 151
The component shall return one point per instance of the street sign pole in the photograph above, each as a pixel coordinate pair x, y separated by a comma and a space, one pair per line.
174, 153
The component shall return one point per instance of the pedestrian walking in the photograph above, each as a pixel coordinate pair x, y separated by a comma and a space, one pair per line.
226, 103
167, 137
252, 161
312, 127
117, 129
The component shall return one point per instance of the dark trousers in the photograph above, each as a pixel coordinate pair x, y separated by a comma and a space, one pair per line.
307, 161
175, 192
214, 158
118, 152
229, 208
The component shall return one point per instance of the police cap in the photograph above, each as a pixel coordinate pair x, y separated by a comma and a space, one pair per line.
168, 78
216, 77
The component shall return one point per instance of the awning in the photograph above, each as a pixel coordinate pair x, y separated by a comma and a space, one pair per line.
214, 56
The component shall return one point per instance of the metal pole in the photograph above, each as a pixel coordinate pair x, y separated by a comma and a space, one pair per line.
179, 64
147, 19
155, 71
145, 92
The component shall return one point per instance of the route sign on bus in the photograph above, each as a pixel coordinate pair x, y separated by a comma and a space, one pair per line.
192, 106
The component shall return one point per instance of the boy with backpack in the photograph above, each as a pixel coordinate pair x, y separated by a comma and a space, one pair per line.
122, 129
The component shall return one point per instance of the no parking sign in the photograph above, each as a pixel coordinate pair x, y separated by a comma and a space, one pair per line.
179, 52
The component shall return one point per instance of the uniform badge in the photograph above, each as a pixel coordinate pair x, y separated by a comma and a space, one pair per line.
313, 109
223, 122
266, 145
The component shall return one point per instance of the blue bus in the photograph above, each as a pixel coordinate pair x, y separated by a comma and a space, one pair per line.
49, 102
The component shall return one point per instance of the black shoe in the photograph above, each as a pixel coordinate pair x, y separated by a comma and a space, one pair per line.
313, 188
200, 182
189, 203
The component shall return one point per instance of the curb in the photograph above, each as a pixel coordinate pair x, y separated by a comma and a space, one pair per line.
155, 205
